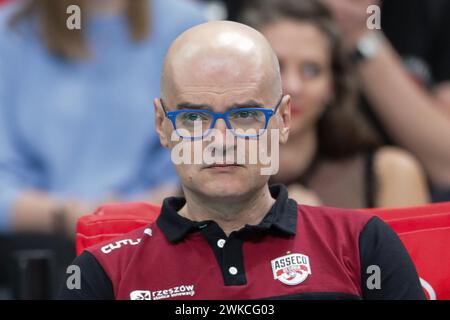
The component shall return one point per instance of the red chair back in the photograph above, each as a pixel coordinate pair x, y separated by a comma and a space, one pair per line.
112, 220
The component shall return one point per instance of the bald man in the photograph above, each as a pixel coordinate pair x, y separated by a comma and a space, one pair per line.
233, 236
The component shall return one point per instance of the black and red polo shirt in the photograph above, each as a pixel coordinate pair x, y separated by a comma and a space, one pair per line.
296, 252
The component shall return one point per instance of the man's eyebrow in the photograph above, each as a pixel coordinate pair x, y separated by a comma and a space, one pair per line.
246, 104
189, 105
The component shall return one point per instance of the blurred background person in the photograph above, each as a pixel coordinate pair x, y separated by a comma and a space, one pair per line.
405, 76
76, 116
332, 157
404, 73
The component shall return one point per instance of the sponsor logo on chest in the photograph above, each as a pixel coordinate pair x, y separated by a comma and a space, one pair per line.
291, 269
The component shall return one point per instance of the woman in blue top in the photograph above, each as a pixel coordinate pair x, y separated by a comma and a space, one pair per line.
76, 116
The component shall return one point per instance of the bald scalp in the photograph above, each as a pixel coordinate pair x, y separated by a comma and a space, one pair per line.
217, 54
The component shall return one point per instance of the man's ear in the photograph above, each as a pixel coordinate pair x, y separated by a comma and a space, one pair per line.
159, 123
285, 118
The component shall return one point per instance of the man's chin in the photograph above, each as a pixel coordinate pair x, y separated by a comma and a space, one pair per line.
225, 187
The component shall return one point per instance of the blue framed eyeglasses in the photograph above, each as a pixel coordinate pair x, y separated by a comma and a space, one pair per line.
242, 122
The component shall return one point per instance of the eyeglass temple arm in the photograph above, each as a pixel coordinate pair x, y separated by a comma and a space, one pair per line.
163, 107
278, 104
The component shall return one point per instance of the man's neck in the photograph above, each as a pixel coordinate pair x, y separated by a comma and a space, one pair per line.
229, 215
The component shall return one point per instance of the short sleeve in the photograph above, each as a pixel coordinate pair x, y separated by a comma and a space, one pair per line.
382, 251
94, 284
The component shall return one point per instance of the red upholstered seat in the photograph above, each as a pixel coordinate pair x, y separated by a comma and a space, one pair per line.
424, 230
111, 220
431, 255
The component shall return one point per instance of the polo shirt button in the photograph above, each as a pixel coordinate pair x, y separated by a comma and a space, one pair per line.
220, 243
233, 271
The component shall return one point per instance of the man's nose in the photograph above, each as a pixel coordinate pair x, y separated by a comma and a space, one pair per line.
225, 146
221, 125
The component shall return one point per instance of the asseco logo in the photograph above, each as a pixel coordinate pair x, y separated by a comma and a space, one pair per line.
116, 245
291, 269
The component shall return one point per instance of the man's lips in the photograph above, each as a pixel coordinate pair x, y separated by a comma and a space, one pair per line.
223, 165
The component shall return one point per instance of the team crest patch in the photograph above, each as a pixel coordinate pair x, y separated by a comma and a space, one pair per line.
291, 269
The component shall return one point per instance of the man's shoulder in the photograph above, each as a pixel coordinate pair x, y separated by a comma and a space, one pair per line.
116, 254
125, 244
332, 217
131, 238
117, 222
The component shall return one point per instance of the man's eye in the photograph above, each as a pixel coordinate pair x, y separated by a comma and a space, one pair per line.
193, 116
245, 114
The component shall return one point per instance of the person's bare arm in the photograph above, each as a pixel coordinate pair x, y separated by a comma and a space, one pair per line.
441, 94
400, 178
417, 120
414, 117
33, 211
303, 195
37, 211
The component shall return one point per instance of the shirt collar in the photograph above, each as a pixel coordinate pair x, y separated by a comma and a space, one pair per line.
282, 217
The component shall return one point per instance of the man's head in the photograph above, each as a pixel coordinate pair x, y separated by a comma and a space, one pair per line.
220, 66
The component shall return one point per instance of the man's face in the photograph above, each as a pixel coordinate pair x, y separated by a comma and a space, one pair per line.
221, 84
